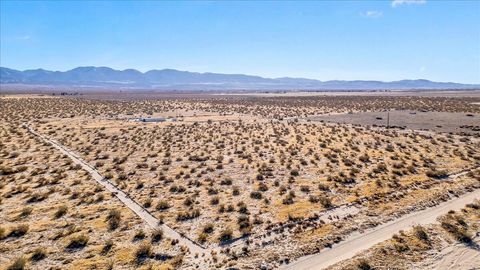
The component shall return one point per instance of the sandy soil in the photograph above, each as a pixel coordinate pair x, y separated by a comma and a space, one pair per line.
358, 242
436, 121
123, 197
454, 257
425, 93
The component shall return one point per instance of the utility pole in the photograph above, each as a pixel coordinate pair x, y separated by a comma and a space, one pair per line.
388, 119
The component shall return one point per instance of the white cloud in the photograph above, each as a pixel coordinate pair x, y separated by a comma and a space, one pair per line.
372, 14
396, 3
423, 69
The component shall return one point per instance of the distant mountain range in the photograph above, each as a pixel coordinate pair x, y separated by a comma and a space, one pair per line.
171, 79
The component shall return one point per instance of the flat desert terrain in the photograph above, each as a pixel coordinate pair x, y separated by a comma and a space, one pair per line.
209, 181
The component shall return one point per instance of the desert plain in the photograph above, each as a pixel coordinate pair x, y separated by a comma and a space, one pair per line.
245, 181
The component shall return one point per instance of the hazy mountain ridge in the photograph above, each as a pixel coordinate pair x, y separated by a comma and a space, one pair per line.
175, 79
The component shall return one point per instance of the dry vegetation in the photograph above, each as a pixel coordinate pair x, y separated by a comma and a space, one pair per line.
423, 246
53, 215
230, 172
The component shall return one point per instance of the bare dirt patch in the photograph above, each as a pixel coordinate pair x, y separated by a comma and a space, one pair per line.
418, 120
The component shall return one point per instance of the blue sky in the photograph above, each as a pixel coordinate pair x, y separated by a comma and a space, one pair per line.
379, 40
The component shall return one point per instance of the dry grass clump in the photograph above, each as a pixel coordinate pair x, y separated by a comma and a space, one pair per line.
457, 227
61, 211
18, 264
157, 235
113, 219
18, 231
162, 205
26, 211
77, 241
225, 235
420, 244
143, 252
107, 247
38, 254
363, 264
139, 235
420, 233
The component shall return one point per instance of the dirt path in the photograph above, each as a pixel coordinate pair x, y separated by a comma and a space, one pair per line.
357, 242
346, 249
123, 197
453, 257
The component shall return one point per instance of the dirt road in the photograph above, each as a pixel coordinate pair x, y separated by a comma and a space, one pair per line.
122, 196
344, 250
356, 243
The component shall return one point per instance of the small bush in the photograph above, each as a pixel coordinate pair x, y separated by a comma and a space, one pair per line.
157, 235
256, 195
107, 246
325, 201
25, 212
61, 211
162, 205
18, 231
208, 228
305, 189
289, 199
202, 237
39, 254
459, 233
143, 251
77, 241
113, 219
18, 264
226, 182
420, 233
362, 264
139, 234
225, 235
182, 216
147, 203
436, 174
215, 200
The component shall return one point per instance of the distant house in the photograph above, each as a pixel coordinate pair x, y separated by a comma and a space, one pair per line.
158, 119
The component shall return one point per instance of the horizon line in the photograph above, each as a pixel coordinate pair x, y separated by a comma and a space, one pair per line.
243, 74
